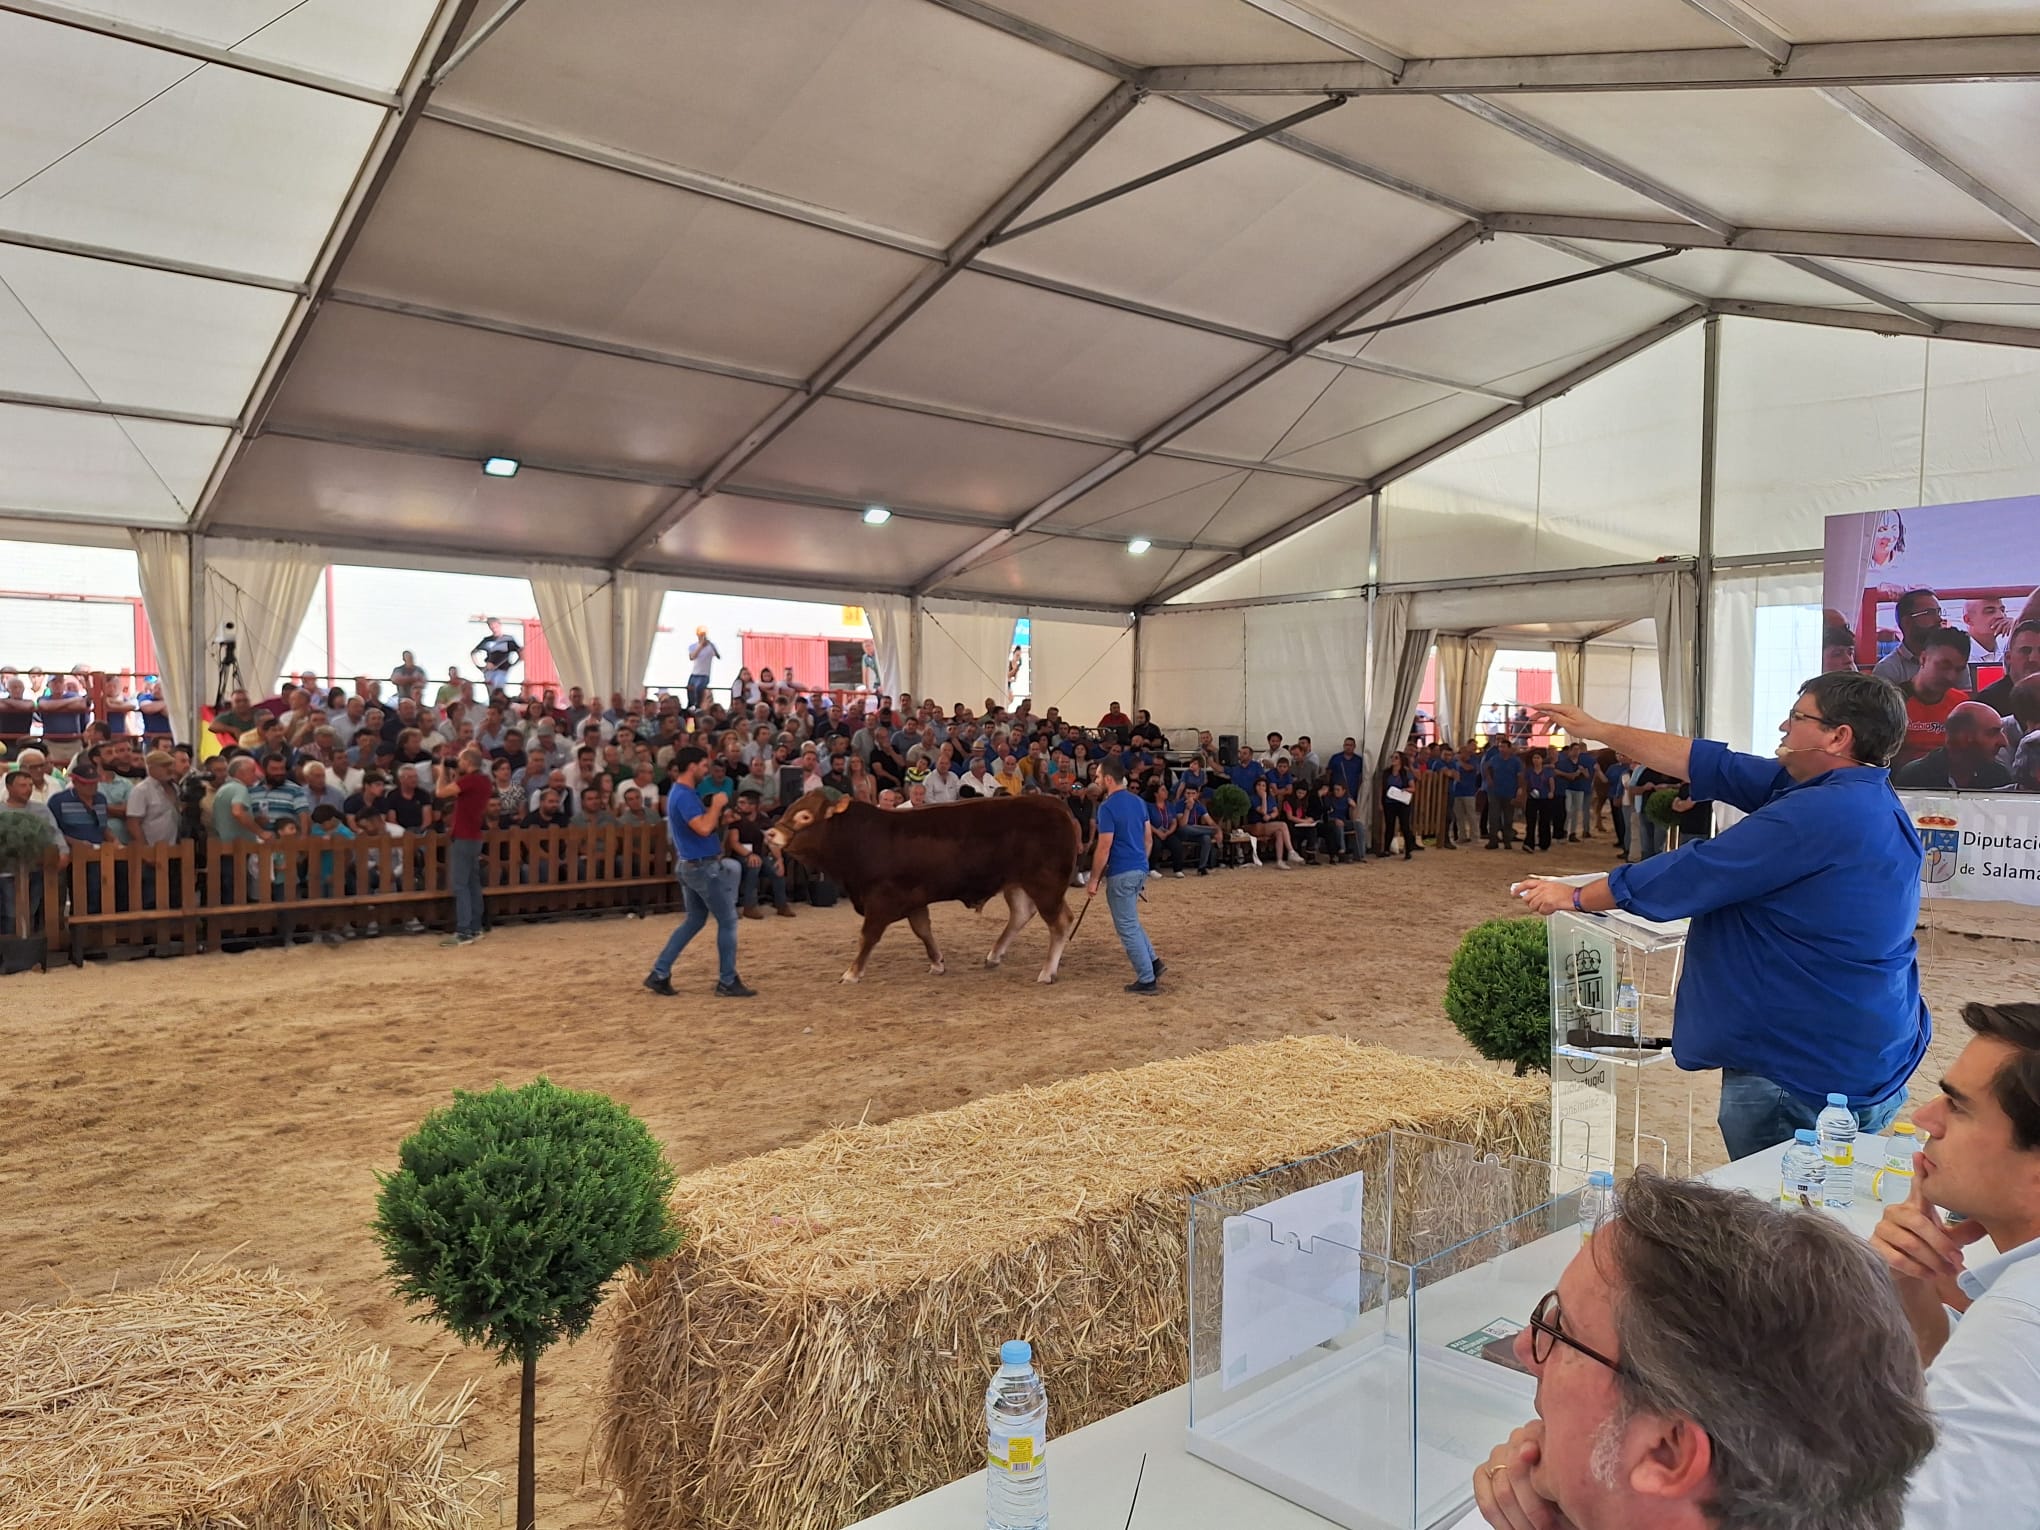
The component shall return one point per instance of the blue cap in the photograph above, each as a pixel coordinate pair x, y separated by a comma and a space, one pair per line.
1601, 1177
1805, 1135
1016, 1352
1839, 1099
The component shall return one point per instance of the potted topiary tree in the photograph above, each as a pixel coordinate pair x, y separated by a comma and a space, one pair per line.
1498, 992
24, 837
508, 1214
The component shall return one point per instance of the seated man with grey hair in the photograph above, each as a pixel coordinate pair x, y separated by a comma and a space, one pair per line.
1711, 1361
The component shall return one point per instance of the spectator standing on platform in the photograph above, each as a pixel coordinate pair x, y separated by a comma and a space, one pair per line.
467, 787
1801, 974
1981, 1160
707, 890
497, 654
702, 653
1673, 1363
1119, 864
408, 674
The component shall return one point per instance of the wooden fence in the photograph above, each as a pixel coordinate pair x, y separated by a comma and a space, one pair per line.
165, 900
1432, 806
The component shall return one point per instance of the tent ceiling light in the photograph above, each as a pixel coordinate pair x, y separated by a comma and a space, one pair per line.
501, 467
876, 515
1138, 546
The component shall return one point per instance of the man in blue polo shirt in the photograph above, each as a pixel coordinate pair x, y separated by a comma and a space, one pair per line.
1120, 864
707, 888
1801, 975
1503, 777
1247, 772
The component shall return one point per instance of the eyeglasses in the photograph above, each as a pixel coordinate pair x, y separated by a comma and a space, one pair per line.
1795, 715
1545, 1330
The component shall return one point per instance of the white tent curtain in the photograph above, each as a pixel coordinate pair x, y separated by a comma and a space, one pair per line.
576, 606
891, 635
1400, 655
1193, 671
964, 649
1571, 664
264, 589
1463, 665
639, 599
163, 559
1674, 607
1081, 665
1305, 671
1749, 688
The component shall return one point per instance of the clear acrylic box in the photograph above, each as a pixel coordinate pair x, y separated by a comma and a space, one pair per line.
1350, 1336
1601, 1094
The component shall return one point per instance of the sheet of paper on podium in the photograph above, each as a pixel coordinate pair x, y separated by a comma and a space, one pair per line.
1292, 1277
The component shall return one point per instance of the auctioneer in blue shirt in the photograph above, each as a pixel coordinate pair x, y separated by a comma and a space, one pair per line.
1800, 960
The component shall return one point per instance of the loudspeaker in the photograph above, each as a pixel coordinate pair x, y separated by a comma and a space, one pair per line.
1228, 750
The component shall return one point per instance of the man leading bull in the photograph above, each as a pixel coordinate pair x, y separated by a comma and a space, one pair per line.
708, 888
1801, 974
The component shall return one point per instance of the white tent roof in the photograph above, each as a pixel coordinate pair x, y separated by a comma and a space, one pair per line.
722, 276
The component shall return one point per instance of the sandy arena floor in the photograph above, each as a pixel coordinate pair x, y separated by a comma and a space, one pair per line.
239, 1105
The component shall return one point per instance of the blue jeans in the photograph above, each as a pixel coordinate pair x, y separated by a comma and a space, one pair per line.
706, 891
464, 861
1122, 893
1756, 1113
496, 680
1199, 840
765, 875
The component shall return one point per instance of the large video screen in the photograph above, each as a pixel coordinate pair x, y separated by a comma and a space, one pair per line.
1944, 602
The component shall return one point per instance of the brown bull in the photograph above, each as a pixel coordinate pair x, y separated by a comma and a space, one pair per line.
894, 864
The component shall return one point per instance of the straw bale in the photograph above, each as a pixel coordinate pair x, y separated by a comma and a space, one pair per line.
818, 1348
217, 1397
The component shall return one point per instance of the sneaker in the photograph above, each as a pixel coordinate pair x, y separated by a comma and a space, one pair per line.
371, 929
1179, 876
414, 927
1150, 986
735, 989
456, 940
663, 987
1204, 871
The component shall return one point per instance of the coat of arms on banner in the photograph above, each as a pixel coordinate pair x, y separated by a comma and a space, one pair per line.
1941, 840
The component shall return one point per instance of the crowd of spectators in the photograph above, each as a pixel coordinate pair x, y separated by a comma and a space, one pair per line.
1972, 691
376, 758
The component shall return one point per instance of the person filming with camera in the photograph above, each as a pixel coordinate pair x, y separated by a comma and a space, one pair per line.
1801, 974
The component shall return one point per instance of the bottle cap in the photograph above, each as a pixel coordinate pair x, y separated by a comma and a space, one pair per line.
1016, 1352
1839, 1099
1904, 1129
1805, 1135
1601, 1177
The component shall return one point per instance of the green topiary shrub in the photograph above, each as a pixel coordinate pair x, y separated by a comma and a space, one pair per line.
1657, 807
508, 1214
23, 838
1498, 992
1229, 805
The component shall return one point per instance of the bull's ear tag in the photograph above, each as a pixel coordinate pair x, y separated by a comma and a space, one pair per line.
841, 807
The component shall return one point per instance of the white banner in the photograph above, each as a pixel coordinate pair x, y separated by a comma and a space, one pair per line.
1978, 845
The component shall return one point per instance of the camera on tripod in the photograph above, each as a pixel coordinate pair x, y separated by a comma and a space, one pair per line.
224, 640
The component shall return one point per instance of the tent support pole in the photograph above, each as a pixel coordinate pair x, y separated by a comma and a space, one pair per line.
1703, 564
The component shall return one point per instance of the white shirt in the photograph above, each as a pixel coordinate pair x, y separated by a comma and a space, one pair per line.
1984, 1389
704, 655
943, 786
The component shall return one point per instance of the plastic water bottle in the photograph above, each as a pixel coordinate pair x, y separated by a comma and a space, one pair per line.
1629, 1014
1836, 1127
1597, 1203
1803, 1174
1016, 1443
1894, 1182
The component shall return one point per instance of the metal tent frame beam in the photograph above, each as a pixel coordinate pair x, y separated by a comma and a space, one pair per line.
1906, 61
22, 239
1408, 273
1565, 383
118, 411
1912, 248
1917, 148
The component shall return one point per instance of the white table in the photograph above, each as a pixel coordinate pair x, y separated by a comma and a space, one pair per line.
1091, 1480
